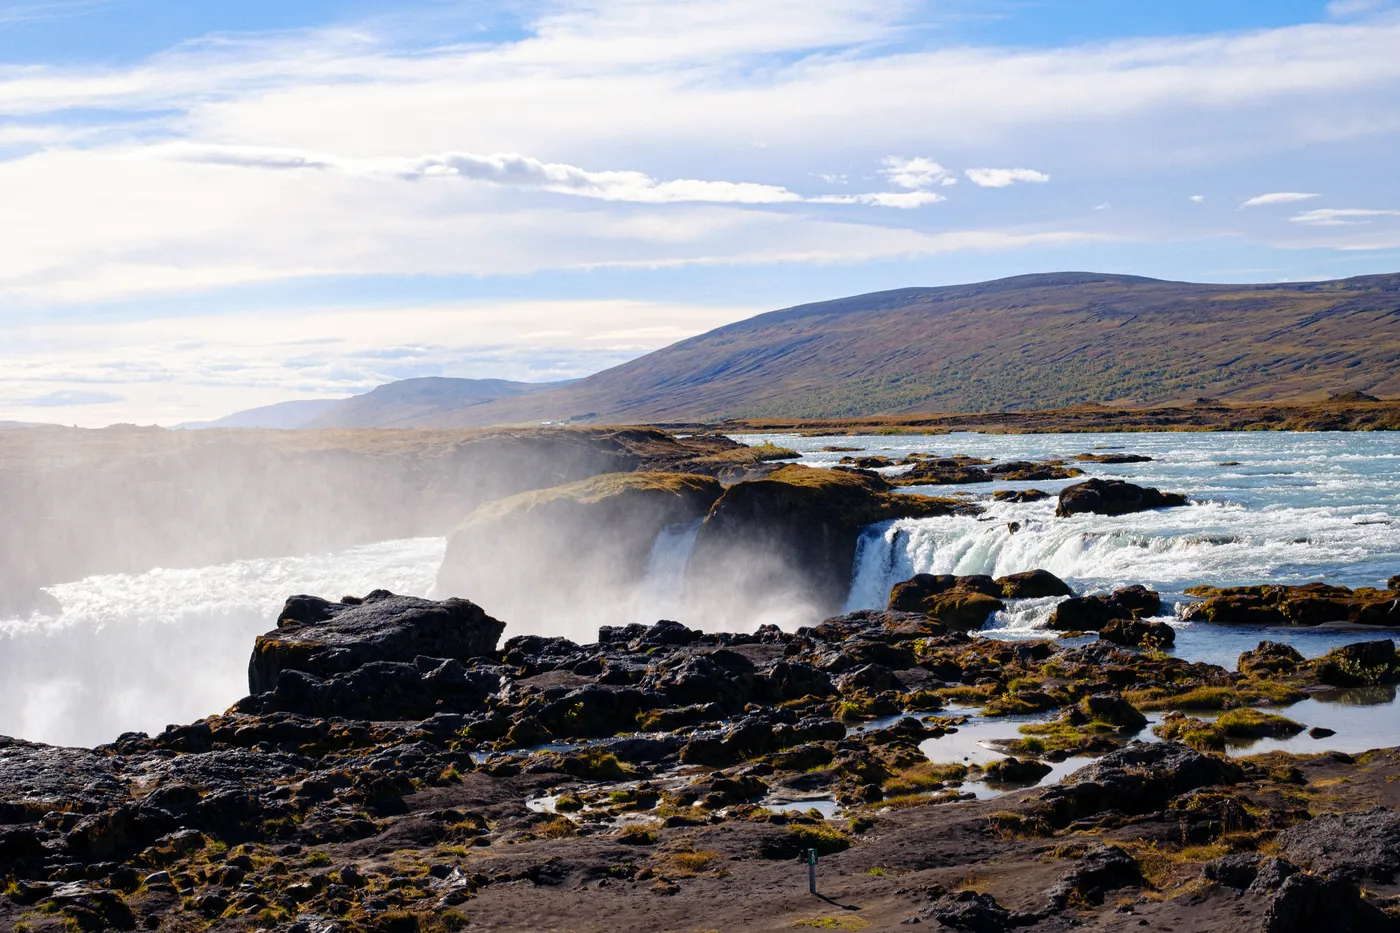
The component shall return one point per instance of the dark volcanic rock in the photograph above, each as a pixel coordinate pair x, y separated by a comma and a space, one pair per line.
1139, 778
1019, 495
322, 639
1104, 868
961, 603
1271, 657
1138, 633
1362, 662
1113, 497
1305, 605
1033, 584
1112, 458
1356, 847
1092, 613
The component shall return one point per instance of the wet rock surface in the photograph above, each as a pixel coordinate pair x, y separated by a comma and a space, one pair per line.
1113, 497
1306, 605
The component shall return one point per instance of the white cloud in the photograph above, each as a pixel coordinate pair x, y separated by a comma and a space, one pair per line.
1340, 217
900, 199
1279, 197
507, 169
916, 173
512, 170
1198, 198
1004, 177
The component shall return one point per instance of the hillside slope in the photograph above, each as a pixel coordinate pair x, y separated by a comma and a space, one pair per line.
1030, 342
421, 403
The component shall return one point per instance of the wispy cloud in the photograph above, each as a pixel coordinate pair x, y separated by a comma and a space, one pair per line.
51, 9
1340, 217
513, 170
1004, 177
1279, 197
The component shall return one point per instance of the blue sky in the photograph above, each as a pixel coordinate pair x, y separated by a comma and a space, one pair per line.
209, 206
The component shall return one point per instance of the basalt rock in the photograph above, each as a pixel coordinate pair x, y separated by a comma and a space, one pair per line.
946, 471
1356, 847
1023, 471
1138, 633
1112, 458
1019, 495
1139, 778
1113, 497
1270, 657
320, 639
1093, 613
961, 603
1306, 605
1033, 584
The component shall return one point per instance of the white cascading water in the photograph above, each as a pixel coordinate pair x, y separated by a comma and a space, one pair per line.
1213, 543
137, 651
663, 583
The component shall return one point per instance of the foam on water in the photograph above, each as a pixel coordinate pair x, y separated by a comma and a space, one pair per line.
137, 651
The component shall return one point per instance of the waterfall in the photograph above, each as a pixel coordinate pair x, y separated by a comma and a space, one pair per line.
663, 581
1214, 543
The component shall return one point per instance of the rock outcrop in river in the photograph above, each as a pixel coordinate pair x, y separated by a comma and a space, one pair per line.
1306, 605
1113, 497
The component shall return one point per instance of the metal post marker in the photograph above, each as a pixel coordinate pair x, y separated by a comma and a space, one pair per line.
812, 871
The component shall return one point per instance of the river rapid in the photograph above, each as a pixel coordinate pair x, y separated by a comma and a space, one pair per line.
137, 651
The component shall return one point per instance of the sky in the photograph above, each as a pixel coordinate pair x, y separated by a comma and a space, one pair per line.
210, 206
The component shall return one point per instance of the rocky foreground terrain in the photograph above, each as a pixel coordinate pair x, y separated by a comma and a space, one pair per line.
396, 767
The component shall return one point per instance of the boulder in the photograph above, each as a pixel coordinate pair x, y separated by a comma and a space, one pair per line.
943, 472
1092, 613
790, 538
1270, 657
1359, 664
579, 549
1139, 633
1393, 583
960, 603
1138, 778
1356, 847
1113, 497
1102, 869
1023, 471
1112, 458
321, 639
1019, 495
1033, 584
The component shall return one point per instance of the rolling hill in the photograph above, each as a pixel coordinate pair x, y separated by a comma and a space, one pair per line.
1024, 343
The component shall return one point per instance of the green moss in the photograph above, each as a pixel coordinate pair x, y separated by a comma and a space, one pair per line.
821, 836
1246, 693
921, 777
1253, 724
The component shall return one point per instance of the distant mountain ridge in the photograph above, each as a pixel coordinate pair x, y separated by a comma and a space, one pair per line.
428, 402
1022, 343
417, 400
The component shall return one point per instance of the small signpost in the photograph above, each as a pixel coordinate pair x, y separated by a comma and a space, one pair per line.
812, 871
